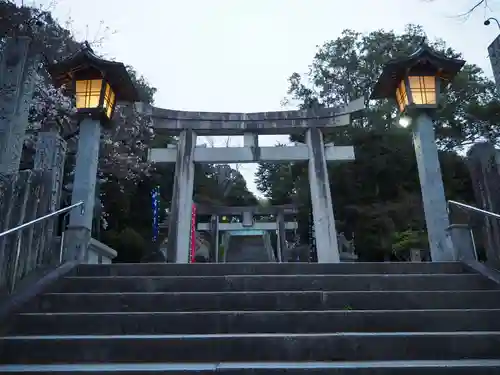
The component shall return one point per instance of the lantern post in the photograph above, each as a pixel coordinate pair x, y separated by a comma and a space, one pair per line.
416, 83
97, 85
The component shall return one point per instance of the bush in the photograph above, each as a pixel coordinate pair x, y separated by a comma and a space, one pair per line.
128, 243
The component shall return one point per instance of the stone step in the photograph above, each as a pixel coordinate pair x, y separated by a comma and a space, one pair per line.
275, 283
255, 322
200, 269
249, 347
463, 367
255, 301
245, 249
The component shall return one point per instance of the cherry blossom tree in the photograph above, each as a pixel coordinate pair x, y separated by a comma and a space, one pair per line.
124, 144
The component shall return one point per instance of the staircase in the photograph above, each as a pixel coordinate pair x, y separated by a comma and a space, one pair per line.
248, 249
236, 319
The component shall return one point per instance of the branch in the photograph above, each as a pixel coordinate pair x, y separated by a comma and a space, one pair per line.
478, 4
467, 14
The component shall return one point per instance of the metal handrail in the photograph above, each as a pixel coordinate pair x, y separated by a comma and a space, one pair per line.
42, 218
472, 208
64, 210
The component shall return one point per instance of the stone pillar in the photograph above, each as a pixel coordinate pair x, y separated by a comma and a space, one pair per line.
463, 242
78, 235
431, 183
280, 221
250, 140
214, 230
266, 239
415, 255
247, 219
17, 78
226, 236
494, 53
321, 199
50, 156
179, 227
483, 164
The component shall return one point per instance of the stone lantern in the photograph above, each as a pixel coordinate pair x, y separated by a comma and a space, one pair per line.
97, 85
416, 83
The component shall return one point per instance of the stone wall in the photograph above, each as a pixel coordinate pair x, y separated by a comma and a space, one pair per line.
25, 196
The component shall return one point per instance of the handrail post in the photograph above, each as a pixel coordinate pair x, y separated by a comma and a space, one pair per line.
466, 241
63, 233
463, 242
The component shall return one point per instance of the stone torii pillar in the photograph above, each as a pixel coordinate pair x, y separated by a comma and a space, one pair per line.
179, 226
280, 222
214, 231
321, 199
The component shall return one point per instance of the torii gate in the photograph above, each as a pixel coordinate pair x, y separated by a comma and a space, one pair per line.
247, 214
247, 221
187, 125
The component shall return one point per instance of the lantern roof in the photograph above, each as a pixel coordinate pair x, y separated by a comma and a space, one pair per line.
84, 60
424, 59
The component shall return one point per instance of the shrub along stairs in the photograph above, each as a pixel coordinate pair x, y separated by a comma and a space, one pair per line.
235, 319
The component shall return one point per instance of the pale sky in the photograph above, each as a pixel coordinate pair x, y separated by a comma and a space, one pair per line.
236, 55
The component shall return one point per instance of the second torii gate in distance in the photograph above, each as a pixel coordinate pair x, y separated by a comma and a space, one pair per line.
247, 214
247, 221
187, 125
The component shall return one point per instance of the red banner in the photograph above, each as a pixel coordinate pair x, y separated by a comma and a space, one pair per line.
193, 233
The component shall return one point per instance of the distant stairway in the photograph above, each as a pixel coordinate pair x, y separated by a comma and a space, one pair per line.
236, 319
248, 249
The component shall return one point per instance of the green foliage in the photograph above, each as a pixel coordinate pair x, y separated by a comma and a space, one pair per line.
378, 194
403, 242
129, 244
222, 185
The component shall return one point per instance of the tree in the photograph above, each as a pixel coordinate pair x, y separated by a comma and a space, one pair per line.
378, 194
124, 144
404, 242
222, 185
125, 176
276, 182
